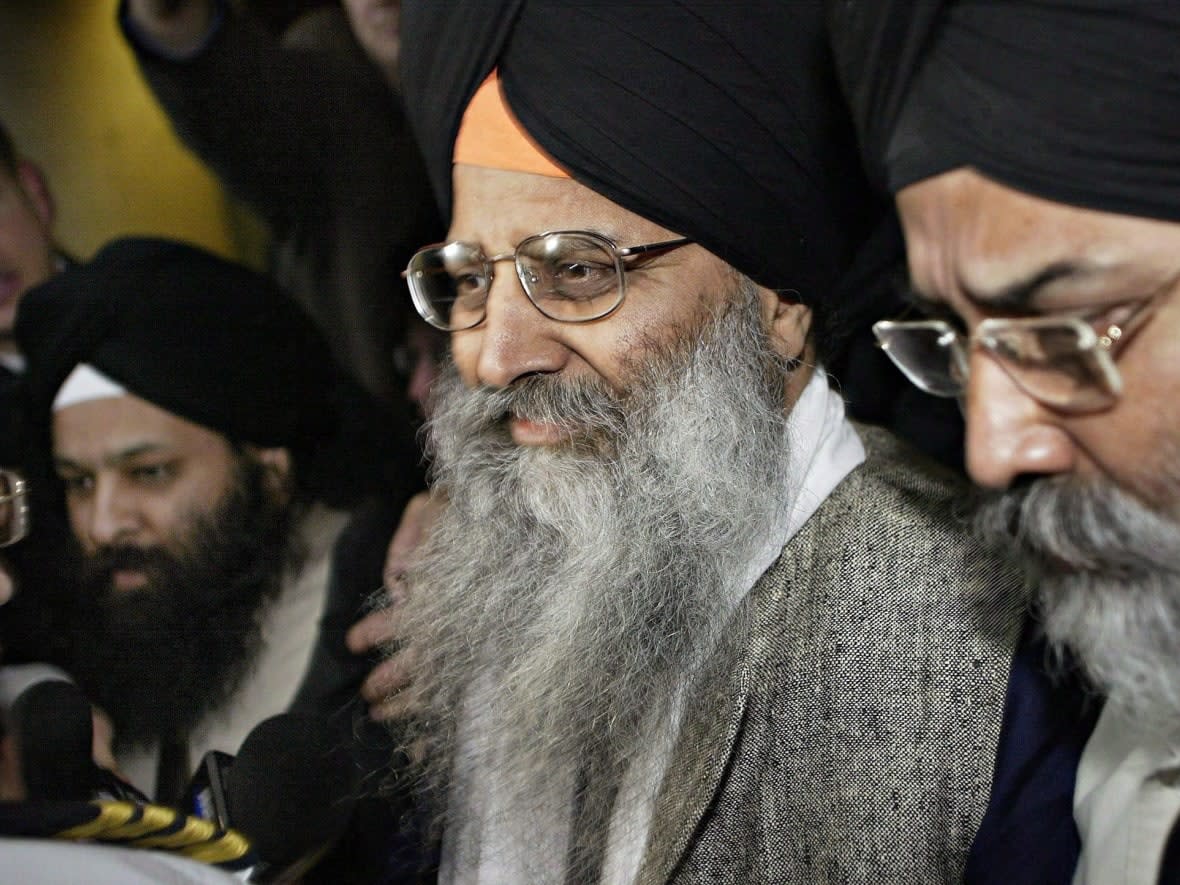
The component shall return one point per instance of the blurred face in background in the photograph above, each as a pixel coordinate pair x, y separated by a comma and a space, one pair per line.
136, 475
26, 244
377, 26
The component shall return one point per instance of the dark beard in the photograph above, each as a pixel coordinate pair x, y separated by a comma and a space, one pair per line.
1104, 574
581, 583
158, 659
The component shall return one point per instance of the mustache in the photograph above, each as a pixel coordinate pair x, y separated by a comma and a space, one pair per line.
580, 406
100, 565
1066, 524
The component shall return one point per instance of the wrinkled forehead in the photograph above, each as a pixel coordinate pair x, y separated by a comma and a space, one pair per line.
971, 238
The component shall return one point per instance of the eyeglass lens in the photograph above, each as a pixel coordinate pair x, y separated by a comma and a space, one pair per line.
447, 284
569, 276
923, 352
1057, 364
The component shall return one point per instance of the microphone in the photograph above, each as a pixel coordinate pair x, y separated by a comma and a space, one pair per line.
54, 733
72, 799
207, 791
132, 826
291, 791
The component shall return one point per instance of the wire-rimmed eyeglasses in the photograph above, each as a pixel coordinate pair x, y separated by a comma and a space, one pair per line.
1062, 362
572, 276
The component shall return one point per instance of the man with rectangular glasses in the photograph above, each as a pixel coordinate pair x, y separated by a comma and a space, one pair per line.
1037, 182
677, 619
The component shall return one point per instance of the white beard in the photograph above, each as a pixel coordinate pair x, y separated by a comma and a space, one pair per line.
1105, 575
566, 591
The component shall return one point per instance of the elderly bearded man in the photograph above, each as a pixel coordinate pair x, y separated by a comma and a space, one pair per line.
677, 620
1042, 214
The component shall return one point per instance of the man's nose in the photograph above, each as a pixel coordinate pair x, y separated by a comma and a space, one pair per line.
1009, 433
112, 517
515, 338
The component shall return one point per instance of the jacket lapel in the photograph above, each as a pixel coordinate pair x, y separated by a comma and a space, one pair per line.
708, 736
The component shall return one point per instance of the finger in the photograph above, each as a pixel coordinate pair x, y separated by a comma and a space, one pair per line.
387, 678
372, 630
396, 706
399, 706
103, 739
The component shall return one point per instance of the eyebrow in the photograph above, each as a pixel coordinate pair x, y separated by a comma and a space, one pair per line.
114, 459
1016, 297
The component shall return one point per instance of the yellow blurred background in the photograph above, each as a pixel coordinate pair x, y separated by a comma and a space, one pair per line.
73, 101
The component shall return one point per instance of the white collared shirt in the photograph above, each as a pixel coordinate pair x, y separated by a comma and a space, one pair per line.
1126, 800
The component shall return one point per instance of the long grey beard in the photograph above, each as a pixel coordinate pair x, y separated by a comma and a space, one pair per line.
576, 585
1105, 574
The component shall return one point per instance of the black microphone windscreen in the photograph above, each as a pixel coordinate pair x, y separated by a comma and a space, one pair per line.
292, 787
55, 733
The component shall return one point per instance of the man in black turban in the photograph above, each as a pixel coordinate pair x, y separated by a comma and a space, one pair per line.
198, 429
1032, 146
677, 619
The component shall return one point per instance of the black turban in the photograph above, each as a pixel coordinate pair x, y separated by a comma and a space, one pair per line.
721, 121
877, 45
1076, 101
211, 342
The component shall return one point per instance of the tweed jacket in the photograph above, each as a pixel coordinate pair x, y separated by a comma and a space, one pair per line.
845, 730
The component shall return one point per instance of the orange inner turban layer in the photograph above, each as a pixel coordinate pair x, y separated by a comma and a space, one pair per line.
490, 135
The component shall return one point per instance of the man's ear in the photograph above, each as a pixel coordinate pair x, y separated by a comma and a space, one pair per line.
788, 320
277, 466
36, 189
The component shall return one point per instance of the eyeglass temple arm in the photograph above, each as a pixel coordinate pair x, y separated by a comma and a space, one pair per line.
654, 247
